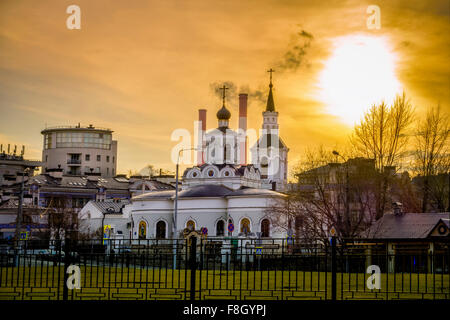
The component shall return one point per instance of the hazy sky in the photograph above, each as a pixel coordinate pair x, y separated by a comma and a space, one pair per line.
144, 68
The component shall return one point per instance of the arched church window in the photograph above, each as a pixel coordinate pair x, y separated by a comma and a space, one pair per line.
220, 228
161, 230
190, 225
142, 230
245, 226
265, 228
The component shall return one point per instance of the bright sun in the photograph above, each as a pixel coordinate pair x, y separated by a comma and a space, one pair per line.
360, 72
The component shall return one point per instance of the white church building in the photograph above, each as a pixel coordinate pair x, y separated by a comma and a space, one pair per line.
222, 195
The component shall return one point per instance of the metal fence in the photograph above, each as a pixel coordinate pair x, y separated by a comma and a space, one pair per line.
218, 268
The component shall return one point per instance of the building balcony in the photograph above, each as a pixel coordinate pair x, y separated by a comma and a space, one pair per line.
73, 161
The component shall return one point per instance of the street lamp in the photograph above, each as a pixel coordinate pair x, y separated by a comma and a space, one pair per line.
20, 212
20, 206
347, 194
174, 228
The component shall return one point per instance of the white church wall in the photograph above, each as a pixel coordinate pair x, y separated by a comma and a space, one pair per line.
205, 212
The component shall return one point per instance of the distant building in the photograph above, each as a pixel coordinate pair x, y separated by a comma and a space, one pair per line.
420, 235
76, 190
80, 150
12, 166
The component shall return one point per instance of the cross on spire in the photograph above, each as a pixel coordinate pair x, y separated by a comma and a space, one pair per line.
271, 71
223, 93
270, 104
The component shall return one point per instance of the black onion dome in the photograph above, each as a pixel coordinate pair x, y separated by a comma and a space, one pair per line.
223, 114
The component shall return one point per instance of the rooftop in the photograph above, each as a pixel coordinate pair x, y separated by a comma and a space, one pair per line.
111, 206
77, 127
408, 225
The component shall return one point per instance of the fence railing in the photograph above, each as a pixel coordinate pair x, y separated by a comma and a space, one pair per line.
218, 268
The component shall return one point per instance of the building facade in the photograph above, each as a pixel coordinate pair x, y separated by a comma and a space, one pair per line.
80, 150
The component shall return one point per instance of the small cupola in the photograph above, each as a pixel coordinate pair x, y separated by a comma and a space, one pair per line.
223, 115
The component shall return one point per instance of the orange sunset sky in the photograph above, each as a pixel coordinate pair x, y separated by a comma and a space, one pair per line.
144, 68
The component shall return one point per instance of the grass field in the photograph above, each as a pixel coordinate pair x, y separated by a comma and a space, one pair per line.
134, 283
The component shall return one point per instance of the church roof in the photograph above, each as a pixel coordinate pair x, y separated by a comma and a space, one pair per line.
223, 113
270, 103
205, 190
246, 191
155, 195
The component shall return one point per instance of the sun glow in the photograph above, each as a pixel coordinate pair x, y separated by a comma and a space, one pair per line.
359, 73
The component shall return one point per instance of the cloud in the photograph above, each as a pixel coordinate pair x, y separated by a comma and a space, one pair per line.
295, 56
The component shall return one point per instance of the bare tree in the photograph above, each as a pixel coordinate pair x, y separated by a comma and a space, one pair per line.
62, 218
382, 135
431, 156
330, 194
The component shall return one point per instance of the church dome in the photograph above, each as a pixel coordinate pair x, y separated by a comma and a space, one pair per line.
223, 114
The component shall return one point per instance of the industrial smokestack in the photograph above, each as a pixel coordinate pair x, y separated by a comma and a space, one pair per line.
243, 128
201, 141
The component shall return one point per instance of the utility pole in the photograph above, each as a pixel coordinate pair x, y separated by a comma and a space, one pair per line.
19, 218
20, 208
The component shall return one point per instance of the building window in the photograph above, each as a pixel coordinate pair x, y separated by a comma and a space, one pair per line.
114, 159
107, 158
112, 171
48, 141
245, 226
99, 157
190, 225
220, 228
265, 228
107, 171
142, 230
87, 157
46, 158
211, 173
98, 169
161, 230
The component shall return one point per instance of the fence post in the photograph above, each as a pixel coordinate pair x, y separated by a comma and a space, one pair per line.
193, 262
333, 268
66, 265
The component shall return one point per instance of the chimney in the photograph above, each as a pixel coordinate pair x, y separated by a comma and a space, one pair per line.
201, 131
243, 128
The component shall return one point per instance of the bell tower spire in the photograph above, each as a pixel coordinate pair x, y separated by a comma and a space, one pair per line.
270, 104
270, 116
